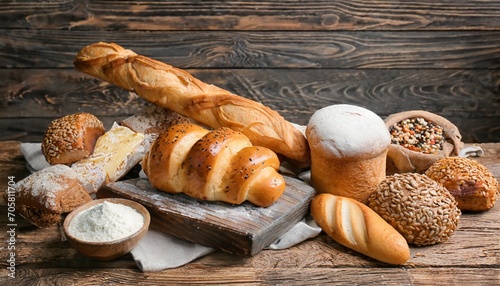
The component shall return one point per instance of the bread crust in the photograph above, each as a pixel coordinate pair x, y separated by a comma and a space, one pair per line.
45, 195
177, 90
71, 138
348, 151
471, 184
216, 165
356, 226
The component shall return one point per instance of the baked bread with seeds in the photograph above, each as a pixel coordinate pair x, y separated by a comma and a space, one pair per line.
71, 138
423, 211
472, 185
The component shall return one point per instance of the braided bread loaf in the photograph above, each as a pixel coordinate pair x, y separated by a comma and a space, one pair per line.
217, 165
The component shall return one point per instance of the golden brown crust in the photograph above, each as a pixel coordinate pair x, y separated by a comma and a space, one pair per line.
472, 185
71, 138
161, 163
217, 165
177, 90
356, 226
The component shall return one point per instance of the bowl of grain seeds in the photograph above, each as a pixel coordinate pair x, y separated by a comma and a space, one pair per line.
106, 229
418, 139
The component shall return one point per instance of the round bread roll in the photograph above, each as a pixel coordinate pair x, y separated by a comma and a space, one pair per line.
472, 184
348, 150
423, 211
71, 138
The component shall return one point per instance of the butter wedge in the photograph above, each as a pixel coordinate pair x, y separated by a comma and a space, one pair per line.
115, 153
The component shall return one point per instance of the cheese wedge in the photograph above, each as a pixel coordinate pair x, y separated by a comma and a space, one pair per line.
115, 153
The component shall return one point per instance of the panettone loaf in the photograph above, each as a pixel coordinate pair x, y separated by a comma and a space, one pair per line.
348, 150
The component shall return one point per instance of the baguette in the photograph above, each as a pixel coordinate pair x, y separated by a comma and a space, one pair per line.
216, 165
358, 227
177, 90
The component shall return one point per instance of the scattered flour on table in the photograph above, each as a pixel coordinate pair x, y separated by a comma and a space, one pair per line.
106, 222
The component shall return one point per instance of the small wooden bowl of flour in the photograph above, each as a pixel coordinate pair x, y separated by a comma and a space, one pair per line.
106, 229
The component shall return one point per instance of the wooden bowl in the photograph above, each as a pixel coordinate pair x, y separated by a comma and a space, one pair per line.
108, 250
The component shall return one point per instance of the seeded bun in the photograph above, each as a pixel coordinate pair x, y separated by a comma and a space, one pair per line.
472, 184
423, 211
71, 138
348, 150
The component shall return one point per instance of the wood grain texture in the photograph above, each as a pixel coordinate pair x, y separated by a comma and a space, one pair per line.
468, 98
264, 49
251, 15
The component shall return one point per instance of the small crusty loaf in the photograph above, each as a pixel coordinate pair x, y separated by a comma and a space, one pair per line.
356, 226
45, 195
216, 165
71, 138
472, 185
177, 90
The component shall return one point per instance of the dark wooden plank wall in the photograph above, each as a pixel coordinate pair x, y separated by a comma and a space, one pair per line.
294, 56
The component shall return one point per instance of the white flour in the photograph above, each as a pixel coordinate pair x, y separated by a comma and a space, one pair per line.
106, 222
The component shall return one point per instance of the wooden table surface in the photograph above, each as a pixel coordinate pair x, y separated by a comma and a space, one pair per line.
471, 256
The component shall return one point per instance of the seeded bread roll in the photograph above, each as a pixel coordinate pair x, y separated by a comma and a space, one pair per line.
42, 197
71, 138
472, 185
348, 150
423, 211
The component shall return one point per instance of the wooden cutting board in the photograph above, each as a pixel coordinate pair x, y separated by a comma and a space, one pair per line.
243, 230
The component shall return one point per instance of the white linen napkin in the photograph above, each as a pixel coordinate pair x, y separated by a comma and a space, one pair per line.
158, 251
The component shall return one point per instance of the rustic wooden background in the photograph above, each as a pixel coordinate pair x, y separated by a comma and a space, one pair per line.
294, 56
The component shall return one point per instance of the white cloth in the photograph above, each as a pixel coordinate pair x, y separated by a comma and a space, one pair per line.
158, 251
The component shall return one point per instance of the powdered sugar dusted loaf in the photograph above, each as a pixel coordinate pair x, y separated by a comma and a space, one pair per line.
345, 130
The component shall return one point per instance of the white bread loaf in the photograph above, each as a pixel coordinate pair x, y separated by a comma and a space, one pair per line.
348, 150
116, 152
356, 226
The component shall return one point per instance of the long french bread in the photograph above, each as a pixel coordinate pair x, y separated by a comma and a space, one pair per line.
215, 165
358, 227
177, 90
